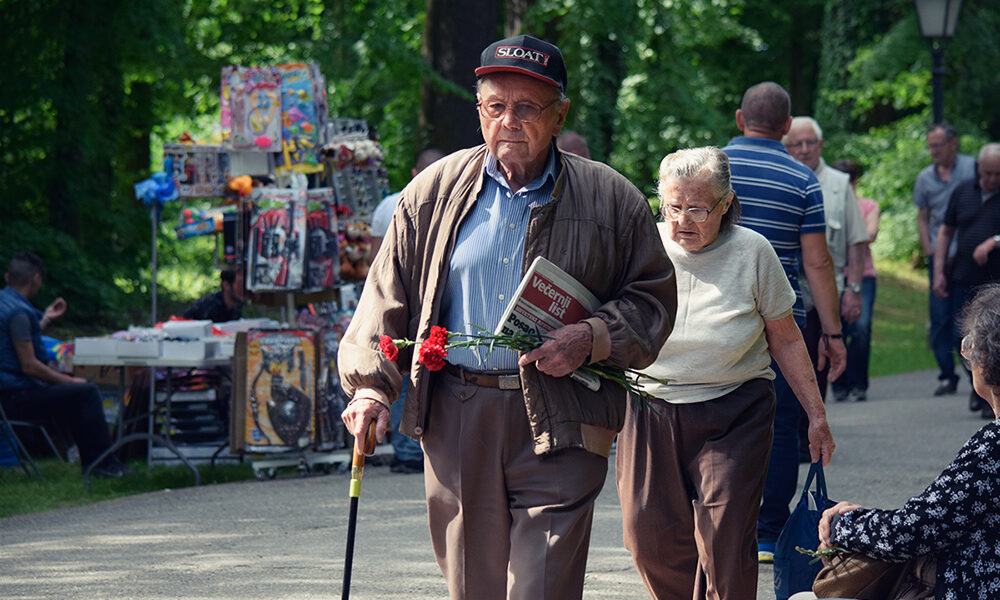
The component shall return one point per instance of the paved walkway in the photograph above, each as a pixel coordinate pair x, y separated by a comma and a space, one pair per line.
285, 538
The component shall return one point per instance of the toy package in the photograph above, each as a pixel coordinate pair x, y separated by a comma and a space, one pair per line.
277, 240
322, 243
355, 166
276, 373
301, 118
194, 222
331, 433
198, 170
251, 108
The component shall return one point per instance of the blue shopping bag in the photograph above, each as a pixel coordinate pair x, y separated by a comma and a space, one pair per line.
793, 572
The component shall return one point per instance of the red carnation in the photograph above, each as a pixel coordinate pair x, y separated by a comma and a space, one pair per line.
388, 347
439, 336
432, 355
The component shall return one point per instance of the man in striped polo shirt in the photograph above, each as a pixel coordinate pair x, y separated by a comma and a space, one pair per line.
781, 199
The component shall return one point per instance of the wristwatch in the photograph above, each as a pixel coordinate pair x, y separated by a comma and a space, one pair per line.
854, 287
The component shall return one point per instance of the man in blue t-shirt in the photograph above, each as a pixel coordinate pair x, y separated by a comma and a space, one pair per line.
931, 191
31, 390
781, 199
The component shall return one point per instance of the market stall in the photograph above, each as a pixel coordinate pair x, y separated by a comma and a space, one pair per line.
291, 192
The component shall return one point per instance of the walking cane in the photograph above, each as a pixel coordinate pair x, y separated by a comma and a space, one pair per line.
357, 470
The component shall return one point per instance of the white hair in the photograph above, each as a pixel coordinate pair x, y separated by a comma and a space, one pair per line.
707, 162
811, 122
988, 150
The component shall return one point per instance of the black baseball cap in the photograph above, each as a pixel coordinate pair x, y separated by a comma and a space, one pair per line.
525, 55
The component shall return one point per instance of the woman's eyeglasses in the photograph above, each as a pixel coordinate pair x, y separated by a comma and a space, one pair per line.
967, 351
695, 213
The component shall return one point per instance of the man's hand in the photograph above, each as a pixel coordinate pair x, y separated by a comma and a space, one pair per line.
940, 283
832, 351
362, 411
982, 252
53, 311
850, 306
564, 353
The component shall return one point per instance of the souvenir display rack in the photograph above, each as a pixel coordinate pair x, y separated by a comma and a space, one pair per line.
297, 191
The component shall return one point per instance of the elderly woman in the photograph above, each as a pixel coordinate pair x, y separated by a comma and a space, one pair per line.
956, 520
691, 463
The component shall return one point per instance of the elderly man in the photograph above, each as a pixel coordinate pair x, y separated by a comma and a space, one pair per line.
931, 192
515, 451
30, 389
972, 219
846, 235
781, 200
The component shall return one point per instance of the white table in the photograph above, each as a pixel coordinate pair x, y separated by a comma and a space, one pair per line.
151, 363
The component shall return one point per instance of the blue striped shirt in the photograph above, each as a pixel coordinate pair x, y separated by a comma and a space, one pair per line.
780, 199
486, 264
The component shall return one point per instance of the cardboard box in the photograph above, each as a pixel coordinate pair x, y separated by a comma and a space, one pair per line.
139, 348
194, 349
188, 329
95, 346
277, 386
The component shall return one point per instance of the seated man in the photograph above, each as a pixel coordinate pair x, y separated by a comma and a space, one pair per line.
221, 306
30, 390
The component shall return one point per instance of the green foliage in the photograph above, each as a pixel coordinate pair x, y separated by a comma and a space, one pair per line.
87, 97
892, 156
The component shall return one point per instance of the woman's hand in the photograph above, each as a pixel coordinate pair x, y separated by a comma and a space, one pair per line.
828, 514
821, 443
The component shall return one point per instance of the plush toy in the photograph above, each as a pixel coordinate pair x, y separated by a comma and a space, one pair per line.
355, 252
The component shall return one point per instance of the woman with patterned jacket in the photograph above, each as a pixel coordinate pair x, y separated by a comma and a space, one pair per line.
956, 520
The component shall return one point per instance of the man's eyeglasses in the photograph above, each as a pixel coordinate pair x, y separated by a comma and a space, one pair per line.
525, 112
967, 351
802, 144
695, 213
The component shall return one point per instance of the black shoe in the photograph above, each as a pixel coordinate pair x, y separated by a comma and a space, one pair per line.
976, 403
948, 386
839, 395
857, 396
407, 467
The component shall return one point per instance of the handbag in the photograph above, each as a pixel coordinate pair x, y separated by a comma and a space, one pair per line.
856, 575
793, 571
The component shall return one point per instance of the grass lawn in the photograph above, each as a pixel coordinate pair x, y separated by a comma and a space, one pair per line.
63, 485
899, 327
898, 345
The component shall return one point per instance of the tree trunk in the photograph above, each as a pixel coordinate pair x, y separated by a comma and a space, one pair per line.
514, 16
455, 35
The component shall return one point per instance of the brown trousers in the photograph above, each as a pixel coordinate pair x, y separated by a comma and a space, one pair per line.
690, 481
504, 522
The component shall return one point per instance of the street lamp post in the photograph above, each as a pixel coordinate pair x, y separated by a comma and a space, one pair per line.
937, 20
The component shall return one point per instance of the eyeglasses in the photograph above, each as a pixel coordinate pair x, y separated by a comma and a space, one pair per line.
802, 144
525, 112
967, 351
695, 213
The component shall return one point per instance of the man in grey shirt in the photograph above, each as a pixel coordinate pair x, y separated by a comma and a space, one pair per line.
931, 192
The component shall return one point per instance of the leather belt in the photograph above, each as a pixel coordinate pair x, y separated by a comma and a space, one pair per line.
498, 379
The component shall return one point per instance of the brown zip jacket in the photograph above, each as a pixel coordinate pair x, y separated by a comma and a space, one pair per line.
598, 228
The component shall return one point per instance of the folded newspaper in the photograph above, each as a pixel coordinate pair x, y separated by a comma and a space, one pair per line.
546, 299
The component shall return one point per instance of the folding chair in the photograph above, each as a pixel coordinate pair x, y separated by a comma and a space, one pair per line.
13, 451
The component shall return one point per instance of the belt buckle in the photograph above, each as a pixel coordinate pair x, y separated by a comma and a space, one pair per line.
509, 382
